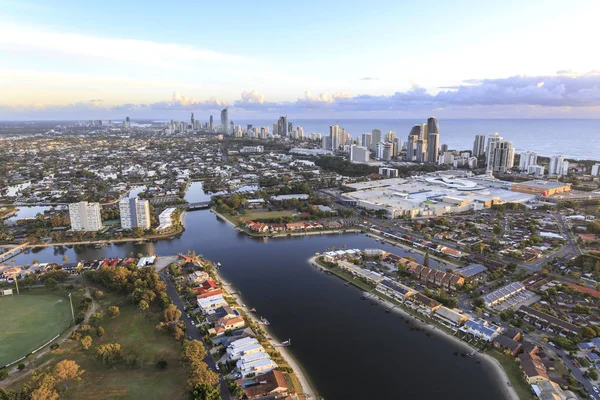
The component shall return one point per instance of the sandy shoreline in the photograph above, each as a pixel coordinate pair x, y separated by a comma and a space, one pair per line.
500, 374
306, 386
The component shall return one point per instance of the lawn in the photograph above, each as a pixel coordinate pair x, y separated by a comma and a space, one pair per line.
30, 320
513, 372
258, 215
134, 331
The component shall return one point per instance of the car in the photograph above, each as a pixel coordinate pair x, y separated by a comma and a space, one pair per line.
595, 389
189, 337
217, 367
189, 317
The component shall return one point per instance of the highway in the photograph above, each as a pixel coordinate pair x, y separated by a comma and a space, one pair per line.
192, 332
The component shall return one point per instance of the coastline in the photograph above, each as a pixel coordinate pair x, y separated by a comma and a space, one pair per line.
307, 388
500, 374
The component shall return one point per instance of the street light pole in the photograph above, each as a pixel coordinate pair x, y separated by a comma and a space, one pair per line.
72, 312
17, 283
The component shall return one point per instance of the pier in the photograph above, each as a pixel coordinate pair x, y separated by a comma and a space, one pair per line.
15, 251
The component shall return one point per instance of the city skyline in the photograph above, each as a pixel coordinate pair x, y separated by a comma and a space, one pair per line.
57, 63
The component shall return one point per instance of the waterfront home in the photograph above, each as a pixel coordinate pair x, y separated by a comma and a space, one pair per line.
548, 390
450, 318
431, 276
224, 311
209, 304
424, 304
72, 268
226, 324
361, 273
226, 340
481, 329
394, 290
197, 277
206, 286
272, 385
243, 347
257, 227
209, 294
255, 363
506, 343
533, 368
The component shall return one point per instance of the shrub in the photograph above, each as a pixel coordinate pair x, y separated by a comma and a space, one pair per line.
21, 367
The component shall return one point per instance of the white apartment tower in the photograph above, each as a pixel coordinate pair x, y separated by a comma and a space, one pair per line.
528, 159
359, 154
479, 146
135, 213
85, 216
500, 157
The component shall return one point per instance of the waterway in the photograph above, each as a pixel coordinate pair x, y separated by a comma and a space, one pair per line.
349, 348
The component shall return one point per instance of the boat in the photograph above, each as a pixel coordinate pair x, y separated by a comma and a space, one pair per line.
286, 343
346, 284
265, 321
363, 297
387, 310
253, 309
218, 264
99, 245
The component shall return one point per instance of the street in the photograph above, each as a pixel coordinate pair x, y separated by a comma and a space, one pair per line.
192, 331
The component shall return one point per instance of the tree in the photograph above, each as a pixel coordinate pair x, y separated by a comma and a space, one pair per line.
86, 342
426, 260
45, 387
96, 318
3, 374
131, 359
50, 283
162, 364
65, 259
98, 294
588, 332
67, 370
100, 331
21, 367
109, 353
114, 311
203, 391
143, 305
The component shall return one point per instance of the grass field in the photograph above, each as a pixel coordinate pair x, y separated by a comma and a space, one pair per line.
134, 331
29, 320
258, 215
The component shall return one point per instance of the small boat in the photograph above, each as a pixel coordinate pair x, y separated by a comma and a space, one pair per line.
346, 284
253, 309
264, 321
218, 264
286, 343
387, 310
363, 297
99, 245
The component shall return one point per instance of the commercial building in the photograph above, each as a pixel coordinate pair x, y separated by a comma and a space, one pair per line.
359, 154
135, 213
389, 172
541, 187
85, 216
479, 146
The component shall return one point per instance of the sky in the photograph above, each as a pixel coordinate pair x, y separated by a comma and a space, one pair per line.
308, 59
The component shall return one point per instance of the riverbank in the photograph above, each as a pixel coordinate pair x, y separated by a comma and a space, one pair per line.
500, 374
304, 382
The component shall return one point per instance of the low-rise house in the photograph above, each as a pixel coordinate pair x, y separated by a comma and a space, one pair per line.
209, 304
424, 304
197, 277
271, 385
395, 290
256, 363
507, 343
533, 368
226, 324
451, 318
503, 293
481, 329
243, 347
548, 322
209, 294
226, 340
71, 268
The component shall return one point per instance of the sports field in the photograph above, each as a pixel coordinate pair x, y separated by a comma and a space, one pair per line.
28, 321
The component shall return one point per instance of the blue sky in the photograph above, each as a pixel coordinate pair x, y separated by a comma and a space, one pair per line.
101, 59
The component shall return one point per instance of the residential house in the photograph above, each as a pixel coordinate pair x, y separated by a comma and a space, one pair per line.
533, 368
451, 318
226, 324
272, 385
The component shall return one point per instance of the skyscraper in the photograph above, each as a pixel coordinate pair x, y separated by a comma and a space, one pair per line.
390, 136
492, 140
282, 126
366, 140
479, 146
359, 154
375, 138
432, 126
433, 144
558, 166
192, 120
85, 216
526, 160
334, 134
135, 213
225, 120
211, 124
411, 144
421, 151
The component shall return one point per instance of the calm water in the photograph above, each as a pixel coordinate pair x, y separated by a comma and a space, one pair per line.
579, 138
348, 348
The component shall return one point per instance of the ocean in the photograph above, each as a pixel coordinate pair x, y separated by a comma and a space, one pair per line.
572, 138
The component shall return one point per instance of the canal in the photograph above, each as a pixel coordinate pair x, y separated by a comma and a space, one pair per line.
349, 348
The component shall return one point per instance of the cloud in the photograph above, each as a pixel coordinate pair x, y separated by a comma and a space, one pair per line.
369, 78
534, 95
122, 50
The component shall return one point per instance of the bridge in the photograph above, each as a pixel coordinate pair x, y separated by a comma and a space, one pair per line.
13, 252
201, 205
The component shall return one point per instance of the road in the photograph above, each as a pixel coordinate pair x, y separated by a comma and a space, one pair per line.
192, 331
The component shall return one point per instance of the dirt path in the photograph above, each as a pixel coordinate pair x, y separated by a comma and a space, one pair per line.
13, 372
